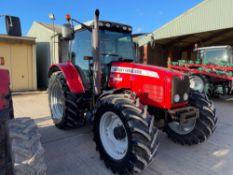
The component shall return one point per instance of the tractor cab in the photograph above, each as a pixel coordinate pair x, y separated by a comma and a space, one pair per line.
216, 55
115, 45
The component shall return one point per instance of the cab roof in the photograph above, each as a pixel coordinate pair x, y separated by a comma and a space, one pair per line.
108, 25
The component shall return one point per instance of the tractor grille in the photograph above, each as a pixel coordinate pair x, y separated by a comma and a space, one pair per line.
180, 87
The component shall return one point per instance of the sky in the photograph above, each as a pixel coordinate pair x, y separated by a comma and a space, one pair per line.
144, 15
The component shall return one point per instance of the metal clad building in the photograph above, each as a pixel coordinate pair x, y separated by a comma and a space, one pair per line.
208, 23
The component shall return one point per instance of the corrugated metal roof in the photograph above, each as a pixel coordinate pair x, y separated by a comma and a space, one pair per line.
210, 15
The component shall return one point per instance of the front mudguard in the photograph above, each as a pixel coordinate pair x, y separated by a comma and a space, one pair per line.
72, 76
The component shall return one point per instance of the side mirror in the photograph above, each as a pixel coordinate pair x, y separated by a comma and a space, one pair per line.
67, 32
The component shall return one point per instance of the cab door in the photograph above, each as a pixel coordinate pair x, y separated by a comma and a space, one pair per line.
81, 47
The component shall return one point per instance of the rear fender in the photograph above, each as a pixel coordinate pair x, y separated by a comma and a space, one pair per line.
72, 76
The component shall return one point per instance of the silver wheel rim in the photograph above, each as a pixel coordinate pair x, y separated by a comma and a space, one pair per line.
56, 102
183, 128
196, 83
115, 148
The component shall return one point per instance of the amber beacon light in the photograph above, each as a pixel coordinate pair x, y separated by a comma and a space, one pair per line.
68, 17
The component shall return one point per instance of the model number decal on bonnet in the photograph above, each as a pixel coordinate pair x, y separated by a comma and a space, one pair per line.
135, 71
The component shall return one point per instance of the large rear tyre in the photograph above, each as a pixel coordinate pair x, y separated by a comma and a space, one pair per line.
125, 135
25, 149
194, 132
64, 105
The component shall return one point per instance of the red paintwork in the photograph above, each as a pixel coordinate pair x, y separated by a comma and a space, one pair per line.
72, 76
193, 68
153, 91
4, 88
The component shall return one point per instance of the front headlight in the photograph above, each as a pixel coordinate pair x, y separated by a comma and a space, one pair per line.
186, 96
180, 89
176, 98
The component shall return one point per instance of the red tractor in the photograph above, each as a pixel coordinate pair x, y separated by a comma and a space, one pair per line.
128, 102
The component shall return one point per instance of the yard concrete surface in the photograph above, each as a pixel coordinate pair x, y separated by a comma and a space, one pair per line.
73, 152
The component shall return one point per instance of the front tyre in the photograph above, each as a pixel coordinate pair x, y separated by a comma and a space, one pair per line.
126, 141
198, 130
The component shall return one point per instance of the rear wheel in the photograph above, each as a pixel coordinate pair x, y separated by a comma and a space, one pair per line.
125, 135
64, 105
198, 130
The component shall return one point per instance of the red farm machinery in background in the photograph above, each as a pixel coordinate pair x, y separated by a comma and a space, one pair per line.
212, 72
126, 101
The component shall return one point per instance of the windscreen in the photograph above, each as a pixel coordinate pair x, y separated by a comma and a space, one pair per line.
115, 46
215, 56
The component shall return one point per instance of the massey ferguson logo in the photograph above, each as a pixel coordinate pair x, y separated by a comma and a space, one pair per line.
134, 71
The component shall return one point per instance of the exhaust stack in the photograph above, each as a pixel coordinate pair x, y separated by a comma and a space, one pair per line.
97, 71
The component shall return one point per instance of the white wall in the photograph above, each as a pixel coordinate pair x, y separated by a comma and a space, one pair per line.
44, 54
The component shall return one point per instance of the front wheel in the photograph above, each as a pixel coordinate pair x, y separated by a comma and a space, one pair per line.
126, 141
197, 130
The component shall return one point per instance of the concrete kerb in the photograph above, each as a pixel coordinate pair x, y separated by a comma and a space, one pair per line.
29, 93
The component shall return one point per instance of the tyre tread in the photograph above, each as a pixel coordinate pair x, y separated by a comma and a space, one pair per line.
26, 150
